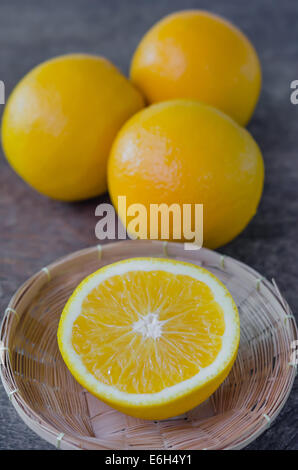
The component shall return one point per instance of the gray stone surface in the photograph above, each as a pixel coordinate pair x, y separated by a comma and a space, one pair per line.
35, 231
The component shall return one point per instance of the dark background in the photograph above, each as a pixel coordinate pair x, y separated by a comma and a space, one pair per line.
34, 230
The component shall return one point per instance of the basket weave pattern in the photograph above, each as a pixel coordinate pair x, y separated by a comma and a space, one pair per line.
57, 408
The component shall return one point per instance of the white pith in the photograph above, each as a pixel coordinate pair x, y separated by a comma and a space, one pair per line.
150, 326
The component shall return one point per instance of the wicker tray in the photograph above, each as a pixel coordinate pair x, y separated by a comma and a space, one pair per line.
58, 409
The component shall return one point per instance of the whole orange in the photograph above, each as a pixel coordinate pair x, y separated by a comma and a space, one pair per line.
198, 55
185, 152
60, 121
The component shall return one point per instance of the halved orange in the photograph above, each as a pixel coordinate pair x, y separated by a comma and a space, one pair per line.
151, 337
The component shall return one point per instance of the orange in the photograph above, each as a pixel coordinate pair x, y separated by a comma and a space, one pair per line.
198, 55
60, 121
184, 152
151, 337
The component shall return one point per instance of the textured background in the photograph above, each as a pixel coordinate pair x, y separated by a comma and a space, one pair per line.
35, 231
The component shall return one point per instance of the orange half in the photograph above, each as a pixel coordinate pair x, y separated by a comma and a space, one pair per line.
151, 337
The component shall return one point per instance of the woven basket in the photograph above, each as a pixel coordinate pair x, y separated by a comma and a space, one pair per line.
57, 408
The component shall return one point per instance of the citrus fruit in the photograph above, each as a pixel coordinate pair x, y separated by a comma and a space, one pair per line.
60, 121
184, 152
151, 337
198, 55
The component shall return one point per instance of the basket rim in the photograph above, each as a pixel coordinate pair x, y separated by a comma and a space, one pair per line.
40, 278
